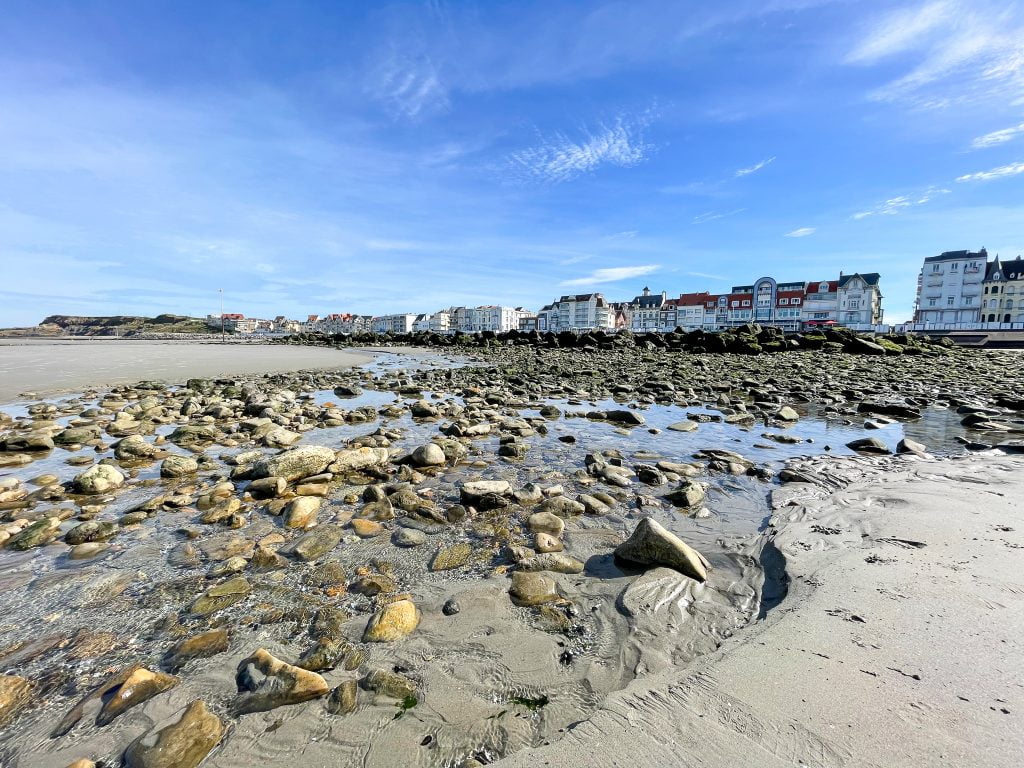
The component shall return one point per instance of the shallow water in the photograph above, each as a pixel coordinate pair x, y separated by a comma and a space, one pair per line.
475, 668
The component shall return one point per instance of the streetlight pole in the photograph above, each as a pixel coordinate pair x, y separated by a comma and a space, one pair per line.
221, 292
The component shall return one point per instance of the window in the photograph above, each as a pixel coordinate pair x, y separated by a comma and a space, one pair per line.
968, 301
735, 303
995, 289
854, 303
1009, 289
795, 301
936, 268
986, 289
783, 302
746, 302
823, 288
931, 302
949, 301
1009, 303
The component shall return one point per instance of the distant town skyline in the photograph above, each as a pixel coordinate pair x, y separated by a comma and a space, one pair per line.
373, 158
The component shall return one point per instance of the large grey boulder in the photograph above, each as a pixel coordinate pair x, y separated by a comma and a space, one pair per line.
295, 464
652, 544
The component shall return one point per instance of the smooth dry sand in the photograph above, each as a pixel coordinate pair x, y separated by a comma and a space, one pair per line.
884, 653
51, 366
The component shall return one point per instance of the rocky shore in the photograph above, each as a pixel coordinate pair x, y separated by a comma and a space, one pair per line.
449, 559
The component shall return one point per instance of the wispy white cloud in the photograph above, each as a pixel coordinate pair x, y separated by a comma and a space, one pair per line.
409, 87
754, 168
966, 51
801, 232
712, 216
559, 158
998, 137
1011, 169
612, 275
705, 275
900, 203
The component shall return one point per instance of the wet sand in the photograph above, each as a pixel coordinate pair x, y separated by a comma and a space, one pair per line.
899, 642
45, 366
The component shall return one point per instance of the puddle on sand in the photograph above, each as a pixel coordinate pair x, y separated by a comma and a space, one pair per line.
483, 672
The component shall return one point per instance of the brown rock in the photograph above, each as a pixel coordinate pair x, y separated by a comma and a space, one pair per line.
182, 744
393, 622
265, 682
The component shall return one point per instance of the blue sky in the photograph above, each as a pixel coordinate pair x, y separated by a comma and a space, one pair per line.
365, 157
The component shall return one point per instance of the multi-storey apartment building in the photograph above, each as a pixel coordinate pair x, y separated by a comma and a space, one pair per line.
1003, 292
949, 287
579, 312
401, 323
859, 299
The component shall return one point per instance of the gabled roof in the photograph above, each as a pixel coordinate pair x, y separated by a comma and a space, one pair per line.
870, 278
1006, 270
815, 287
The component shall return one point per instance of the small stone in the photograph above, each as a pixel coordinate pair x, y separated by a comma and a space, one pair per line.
301, 512
366, 529
221, 596
409, 537
15, 694
451, 607
545, 542
429, 455
178, 466
196, 647
786, 413
100, 478
545, 522
141, 685
389, 684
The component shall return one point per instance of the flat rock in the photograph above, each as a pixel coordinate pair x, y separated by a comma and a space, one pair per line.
530, 589
393, 622
265, 682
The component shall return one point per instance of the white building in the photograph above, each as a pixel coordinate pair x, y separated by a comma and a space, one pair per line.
859, 299
401, 323
645, 311
577, 313
949, 287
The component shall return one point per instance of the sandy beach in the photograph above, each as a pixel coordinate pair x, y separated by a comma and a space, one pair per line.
898, 644
46, 367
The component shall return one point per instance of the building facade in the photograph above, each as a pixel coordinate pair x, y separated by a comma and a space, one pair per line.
1002, 292
949, 287
644, 311
401, 323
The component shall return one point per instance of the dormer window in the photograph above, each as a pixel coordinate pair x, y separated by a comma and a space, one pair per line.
823, 288
953, 267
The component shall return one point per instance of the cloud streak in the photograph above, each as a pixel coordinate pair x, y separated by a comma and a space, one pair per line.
900, 203
998, 137
741, 172
1012, 169
704, 218
611, 275
560, 158
801, 232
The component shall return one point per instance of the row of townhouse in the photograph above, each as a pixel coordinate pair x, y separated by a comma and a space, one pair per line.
337, 323
475, 319
233, 322
852, 300
964, 288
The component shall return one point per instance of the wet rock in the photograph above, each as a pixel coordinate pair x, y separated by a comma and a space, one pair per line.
343, 698
135, 447
193, 435
546, 522
593, 505
280, 437
198, 646
374, 584
330, 652
267, 487
359, 458
786, 413
36, 535
32, 442
868, 445
409, 537
366, 529
314, 544
129, 688
175, 466
15, 694
389, 684
265, 682
454, 556
90, 531
530, 589
906, 445
221, 596
451, 607
683, 426
184, 743
551, 561
562, 506
629, 418
429, 455
545, 542
394, 621
689, 493
295, 463
652, 544
100, 478
301, 512
475, 490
